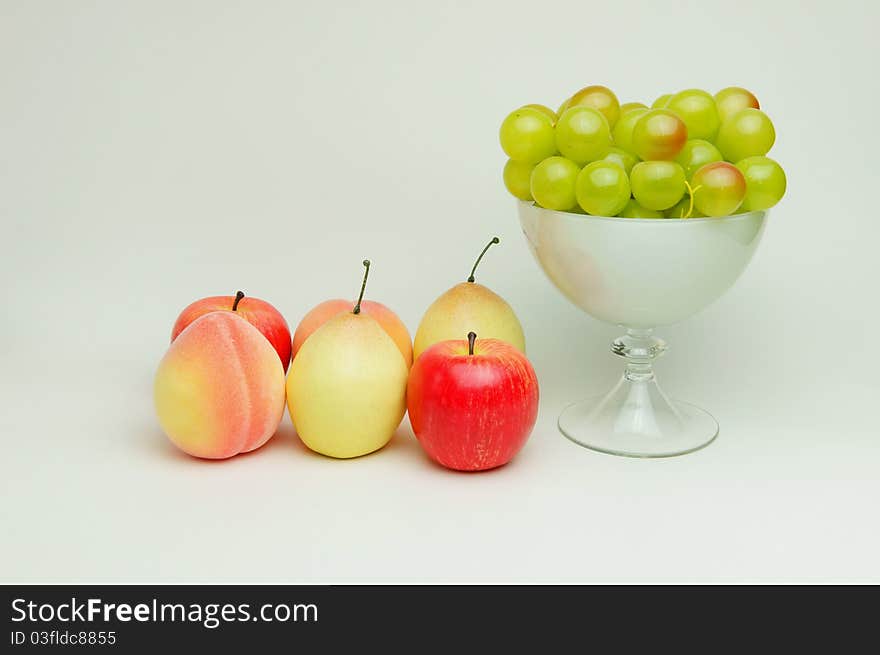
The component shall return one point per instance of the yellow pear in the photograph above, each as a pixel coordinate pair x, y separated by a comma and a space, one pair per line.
469, 307
346, 391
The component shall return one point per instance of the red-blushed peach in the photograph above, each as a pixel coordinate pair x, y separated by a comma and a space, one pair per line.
219, 389
258, 313
326, 310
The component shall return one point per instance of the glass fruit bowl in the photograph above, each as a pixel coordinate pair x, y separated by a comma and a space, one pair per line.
639, 274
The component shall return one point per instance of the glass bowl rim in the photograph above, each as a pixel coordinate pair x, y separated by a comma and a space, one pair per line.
620, 219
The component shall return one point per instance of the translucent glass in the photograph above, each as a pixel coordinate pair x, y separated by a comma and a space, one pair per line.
640, 274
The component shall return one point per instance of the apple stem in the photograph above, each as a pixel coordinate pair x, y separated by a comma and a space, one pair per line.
238, 296
477, 263
357, 307
472, 337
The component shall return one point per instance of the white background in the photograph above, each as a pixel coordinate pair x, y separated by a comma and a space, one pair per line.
155, 152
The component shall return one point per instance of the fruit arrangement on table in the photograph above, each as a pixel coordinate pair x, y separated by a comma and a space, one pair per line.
472, 395
689, 155
470, 391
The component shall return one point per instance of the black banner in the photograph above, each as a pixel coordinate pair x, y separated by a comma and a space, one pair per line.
241, 618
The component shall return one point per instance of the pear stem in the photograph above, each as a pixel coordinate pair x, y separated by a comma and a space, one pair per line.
357, 307
472, 337
238, 296
477, 263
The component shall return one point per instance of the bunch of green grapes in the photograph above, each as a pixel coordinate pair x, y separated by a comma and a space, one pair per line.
690, 154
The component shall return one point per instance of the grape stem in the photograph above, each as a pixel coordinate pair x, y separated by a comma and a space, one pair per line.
238, 296
691, 192
357, 307
477, 263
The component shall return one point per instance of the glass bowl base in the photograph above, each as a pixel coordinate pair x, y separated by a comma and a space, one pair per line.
638, 424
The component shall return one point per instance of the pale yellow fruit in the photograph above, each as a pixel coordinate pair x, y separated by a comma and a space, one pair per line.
469, 307
346, 391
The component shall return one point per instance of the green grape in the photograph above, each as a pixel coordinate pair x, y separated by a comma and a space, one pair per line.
749, 132
765, 183
602, 188
622, 133
600, 98
517, 179
660, 102
544, 110
527, 136
695, 154
684, 209
732, 99
698, 111
553, 183
582, 134
627, 107
718, 188
563, 107
658, 134
622, 158
634, 210
657, 184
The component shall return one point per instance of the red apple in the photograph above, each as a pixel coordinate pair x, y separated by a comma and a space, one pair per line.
258, 313
472, 404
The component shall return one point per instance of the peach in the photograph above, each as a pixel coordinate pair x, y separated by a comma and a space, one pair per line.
389, 321
219, 389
